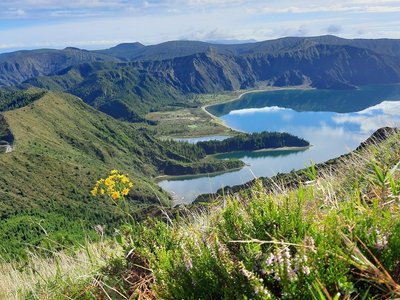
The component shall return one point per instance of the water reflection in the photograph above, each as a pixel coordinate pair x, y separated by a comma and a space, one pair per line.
331, 133
342, 101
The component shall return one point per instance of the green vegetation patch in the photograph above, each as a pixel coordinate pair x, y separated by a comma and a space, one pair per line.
254, 141
12, 99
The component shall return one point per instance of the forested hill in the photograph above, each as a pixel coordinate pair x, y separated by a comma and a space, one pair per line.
254, 141
121, 90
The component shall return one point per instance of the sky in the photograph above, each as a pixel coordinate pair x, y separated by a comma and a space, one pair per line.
99, 24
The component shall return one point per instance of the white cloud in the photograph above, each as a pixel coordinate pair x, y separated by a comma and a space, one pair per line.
384, 114
54, 22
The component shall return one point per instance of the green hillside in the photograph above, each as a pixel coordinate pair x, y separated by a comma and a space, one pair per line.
121, 90
61, 146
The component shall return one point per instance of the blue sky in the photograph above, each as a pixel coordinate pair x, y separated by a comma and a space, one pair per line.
94, 24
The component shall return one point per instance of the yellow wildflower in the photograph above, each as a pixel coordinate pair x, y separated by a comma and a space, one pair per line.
109, 182
115, 186
125, 191
115, 195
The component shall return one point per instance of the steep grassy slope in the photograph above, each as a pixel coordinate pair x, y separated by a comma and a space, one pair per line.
61, 147
120, 90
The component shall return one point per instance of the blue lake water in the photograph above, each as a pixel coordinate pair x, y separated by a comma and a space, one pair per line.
334, 122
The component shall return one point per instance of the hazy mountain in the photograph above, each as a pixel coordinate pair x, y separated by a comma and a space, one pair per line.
173, 49
230, 41
327, 61
16, 67
321, 66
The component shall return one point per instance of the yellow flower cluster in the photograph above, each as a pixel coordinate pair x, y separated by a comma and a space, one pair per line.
116, 186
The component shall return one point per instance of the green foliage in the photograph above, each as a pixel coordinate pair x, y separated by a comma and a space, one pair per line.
201, 167
10, 100
42, 233
311, 171
6, 137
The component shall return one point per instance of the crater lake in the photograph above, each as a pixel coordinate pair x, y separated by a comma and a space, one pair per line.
335, 122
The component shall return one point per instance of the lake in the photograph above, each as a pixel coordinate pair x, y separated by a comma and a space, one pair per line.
334, 122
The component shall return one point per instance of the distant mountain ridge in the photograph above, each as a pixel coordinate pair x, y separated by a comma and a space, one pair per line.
16, 67
131, 79
174, 49
296, 53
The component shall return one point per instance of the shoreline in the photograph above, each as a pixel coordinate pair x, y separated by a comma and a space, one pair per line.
209, 124
286, 148
160, 178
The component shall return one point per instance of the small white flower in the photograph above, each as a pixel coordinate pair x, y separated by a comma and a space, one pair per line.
306, 270
270, 260
286, 253
381, 240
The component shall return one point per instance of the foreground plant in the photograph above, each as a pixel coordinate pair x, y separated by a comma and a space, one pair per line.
116, 186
